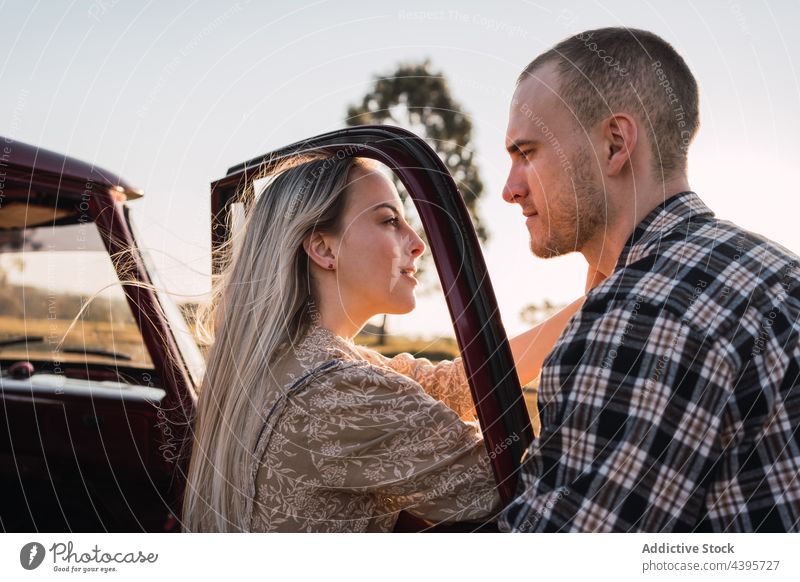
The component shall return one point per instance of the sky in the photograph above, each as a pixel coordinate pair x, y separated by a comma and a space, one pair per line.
169, 95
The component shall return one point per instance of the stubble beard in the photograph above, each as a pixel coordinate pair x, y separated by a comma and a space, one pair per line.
578, 214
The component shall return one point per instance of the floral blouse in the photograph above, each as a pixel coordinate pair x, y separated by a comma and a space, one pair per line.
353, 438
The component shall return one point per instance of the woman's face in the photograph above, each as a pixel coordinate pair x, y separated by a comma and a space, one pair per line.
376, 249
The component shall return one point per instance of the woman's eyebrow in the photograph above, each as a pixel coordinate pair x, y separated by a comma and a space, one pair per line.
389, 206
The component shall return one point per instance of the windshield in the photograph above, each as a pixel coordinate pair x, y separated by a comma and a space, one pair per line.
61, 300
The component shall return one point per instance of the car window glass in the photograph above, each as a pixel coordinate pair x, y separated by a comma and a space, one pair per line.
58, 283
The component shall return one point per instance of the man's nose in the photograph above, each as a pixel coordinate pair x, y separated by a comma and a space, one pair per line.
514, 189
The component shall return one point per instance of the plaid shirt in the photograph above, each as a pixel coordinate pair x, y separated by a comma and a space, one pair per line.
672, 400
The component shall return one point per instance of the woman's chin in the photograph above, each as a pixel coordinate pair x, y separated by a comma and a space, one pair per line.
404, 306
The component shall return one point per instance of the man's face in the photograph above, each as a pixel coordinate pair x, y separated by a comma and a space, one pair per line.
553, 169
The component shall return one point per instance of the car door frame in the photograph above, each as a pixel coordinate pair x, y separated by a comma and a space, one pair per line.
484, 346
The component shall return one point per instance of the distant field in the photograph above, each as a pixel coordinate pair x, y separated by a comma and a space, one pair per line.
122, 338
433, 349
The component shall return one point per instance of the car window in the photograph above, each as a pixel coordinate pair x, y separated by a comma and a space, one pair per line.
61, 300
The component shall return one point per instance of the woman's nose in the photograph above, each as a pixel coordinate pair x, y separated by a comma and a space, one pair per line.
417, 244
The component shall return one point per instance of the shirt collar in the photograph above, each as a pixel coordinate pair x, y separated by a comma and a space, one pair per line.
664, 218
330, 345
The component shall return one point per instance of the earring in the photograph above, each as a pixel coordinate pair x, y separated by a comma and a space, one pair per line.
330, 265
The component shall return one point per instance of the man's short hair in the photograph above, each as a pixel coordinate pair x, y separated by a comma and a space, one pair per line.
615, 70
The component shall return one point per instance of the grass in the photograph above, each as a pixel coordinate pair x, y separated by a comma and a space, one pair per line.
435, 349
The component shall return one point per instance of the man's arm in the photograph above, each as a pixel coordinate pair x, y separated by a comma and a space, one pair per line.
634, 399
530, 348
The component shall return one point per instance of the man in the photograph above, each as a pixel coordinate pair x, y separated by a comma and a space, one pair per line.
672, 400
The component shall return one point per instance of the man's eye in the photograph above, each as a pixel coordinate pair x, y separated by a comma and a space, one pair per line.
526, 153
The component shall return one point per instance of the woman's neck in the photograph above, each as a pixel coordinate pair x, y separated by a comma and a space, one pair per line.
333, 316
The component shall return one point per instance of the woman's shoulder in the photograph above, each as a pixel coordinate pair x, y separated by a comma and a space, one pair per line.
362, 387
363, 374
376, 402
313, 349
328, 367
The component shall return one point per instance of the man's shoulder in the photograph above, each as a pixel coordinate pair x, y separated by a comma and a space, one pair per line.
709, 261
713, 246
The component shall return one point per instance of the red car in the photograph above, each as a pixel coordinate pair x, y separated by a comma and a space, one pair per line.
91, 430
89, 427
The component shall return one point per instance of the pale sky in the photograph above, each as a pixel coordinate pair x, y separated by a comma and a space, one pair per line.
169, 95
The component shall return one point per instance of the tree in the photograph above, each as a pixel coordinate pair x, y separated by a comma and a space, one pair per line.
419, 99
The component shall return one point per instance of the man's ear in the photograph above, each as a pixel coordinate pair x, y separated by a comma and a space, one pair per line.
620, 134
318, 248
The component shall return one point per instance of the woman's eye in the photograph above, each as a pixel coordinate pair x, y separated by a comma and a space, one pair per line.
394, 221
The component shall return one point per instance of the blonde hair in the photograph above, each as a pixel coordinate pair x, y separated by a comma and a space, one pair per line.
260, 307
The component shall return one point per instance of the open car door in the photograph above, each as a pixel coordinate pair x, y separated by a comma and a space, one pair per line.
459, 262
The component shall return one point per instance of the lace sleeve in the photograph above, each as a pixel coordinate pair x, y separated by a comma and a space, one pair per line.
407, 449
445, 381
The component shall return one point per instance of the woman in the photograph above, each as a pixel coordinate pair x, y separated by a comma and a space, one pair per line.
298, 428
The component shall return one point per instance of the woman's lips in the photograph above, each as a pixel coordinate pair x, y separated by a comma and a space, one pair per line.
409, 274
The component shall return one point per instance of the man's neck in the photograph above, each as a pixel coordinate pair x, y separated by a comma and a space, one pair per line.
604, 252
